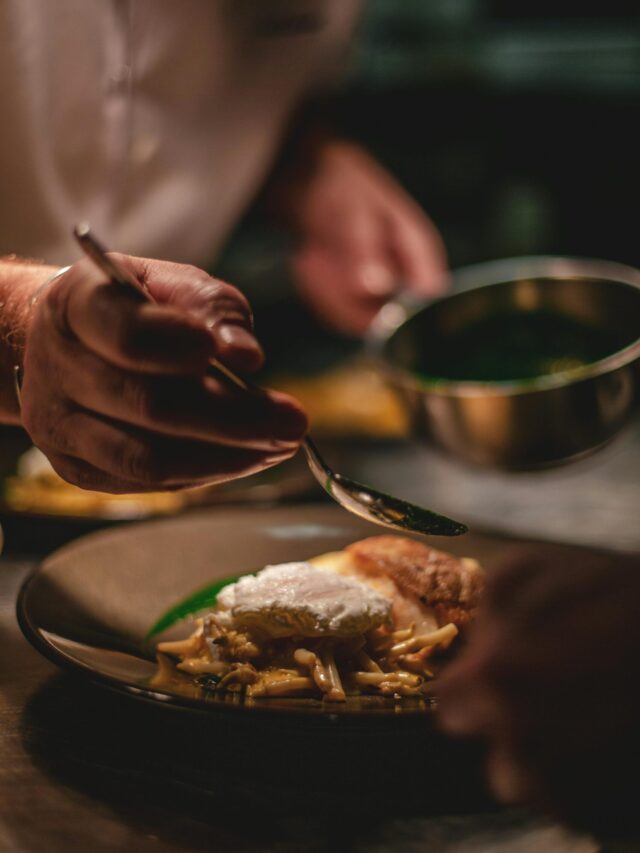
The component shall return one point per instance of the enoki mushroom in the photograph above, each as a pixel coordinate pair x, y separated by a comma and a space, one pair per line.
390, 663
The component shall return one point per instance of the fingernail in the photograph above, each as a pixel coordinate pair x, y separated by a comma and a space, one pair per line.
238, 348
237, 336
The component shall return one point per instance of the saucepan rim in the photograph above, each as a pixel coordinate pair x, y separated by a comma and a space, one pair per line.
395, 314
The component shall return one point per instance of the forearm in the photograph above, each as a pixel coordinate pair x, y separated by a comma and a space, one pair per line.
19, 281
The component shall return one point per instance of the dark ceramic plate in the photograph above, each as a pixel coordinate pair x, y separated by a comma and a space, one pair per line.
89, 606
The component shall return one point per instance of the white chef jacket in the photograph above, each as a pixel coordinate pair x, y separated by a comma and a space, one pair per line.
154, 120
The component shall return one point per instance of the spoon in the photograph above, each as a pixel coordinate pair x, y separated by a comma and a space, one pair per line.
368, 503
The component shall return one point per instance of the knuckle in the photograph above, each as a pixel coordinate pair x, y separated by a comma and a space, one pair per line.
195, 277
229, 293
198, 276
141, 464
230, 306
221, 302
136, 399
62, 434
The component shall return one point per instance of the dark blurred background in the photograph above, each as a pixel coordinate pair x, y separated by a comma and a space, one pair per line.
512, 123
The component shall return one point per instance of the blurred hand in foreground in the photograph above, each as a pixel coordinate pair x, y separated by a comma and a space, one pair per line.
362, 238
115, 392
551, 680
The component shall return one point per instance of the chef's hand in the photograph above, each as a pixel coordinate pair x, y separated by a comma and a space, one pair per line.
361, 239
115, 392
551, 680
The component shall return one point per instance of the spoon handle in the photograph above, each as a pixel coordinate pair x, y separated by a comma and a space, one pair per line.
94, 250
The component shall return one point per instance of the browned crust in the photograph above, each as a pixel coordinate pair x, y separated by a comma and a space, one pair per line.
438, 579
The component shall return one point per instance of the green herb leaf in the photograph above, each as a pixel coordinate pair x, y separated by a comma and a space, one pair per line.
202, 599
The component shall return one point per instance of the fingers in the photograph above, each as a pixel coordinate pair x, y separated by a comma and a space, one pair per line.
370, 272
387, 238
139, 459
190, 407
115, 389
224, 310
194, 318
377, 252
378, 238
418, 252
236, 347
335, 290
85, 476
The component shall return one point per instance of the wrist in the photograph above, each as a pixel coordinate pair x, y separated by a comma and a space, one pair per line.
40, 290
20, 281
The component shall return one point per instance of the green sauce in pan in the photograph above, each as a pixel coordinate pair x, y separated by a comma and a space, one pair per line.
514, 346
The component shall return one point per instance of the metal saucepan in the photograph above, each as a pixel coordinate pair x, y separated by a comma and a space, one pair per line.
519, 423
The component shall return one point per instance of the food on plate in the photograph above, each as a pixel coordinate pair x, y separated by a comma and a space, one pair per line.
373, 618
